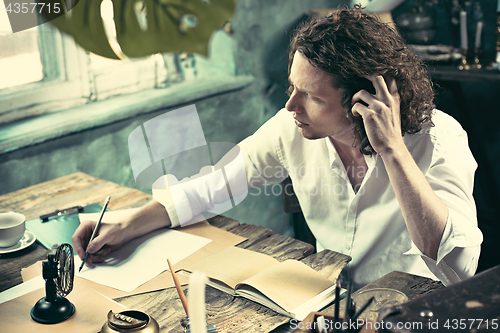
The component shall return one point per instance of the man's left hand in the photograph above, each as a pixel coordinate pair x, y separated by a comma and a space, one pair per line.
381, 114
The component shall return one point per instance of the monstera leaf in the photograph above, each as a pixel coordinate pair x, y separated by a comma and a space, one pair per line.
144, 27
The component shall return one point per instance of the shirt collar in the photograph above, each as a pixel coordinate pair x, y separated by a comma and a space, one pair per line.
332, 152
334, 157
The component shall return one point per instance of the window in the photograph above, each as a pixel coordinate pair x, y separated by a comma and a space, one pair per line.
59, 85
17, 50
44, 71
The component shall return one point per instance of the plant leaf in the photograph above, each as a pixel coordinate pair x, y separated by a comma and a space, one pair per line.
86, 27
165, 31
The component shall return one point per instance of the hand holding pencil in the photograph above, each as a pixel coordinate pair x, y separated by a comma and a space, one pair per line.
106, 239
117, 231
95, 231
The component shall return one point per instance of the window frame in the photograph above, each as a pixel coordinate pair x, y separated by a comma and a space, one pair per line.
63, 85
69, 79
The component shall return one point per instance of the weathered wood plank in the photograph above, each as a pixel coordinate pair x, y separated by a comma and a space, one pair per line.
28, 200
222, 222
283, 248
67, 191
253, 233
411, 285
328, 263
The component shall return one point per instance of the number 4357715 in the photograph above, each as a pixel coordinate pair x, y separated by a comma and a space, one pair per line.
26, 7
462, 324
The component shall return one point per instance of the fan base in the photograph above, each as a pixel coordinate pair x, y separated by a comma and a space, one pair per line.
54, 312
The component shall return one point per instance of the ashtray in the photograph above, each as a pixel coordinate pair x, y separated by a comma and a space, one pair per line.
383, 297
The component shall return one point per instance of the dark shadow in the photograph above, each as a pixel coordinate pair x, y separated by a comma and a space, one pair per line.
276, 65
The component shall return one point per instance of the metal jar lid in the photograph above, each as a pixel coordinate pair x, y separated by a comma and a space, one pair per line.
130, 321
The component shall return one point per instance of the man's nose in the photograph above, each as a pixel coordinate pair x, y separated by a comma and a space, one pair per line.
292, 104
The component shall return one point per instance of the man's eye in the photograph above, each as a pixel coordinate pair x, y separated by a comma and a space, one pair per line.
289, 91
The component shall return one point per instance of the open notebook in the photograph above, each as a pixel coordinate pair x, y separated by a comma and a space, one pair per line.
290, 287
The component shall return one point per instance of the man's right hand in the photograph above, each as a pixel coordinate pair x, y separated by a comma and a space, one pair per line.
110, 238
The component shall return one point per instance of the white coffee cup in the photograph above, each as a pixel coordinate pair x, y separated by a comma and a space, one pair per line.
12, 226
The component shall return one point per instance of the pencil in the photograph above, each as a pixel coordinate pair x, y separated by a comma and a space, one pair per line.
179, 289
337, 302
348, 305
363, 308
96, 230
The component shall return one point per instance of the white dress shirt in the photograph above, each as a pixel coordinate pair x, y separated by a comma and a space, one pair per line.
368, 224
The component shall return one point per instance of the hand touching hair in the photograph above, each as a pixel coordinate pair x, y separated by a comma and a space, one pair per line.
349, 45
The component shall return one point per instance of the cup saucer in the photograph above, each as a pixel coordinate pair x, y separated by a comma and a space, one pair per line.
27, 239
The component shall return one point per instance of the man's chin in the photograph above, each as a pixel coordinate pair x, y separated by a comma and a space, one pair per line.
308, 135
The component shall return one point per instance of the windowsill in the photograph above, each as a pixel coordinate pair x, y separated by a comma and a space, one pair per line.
96, 114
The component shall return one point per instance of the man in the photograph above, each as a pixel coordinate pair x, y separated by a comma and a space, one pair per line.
379, 174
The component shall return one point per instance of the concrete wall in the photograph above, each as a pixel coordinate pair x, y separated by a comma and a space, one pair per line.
260, 41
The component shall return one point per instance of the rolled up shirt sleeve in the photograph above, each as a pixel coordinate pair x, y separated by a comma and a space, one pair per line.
214, 189
454, 263
451, 176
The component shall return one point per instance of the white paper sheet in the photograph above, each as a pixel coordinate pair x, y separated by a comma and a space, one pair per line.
141, 259
113, 216
22, 289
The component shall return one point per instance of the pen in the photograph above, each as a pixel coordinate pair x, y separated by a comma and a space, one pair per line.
71, 210
96, 230
179, 289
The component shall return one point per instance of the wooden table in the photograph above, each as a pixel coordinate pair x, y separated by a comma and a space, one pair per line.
228, 313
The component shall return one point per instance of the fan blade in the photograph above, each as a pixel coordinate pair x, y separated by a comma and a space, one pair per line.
66, 269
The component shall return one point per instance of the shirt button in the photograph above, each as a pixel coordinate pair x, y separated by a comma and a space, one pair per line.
348, 247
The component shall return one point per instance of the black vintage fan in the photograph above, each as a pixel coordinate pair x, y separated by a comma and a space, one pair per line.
58, 272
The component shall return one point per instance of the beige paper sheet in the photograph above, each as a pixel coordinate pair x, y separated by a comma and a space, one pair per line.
234, 265
221, 239
90, 314
290, 283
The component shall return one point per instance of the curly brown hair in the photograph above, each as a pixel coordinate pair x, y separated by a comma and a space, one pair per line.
350, 44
